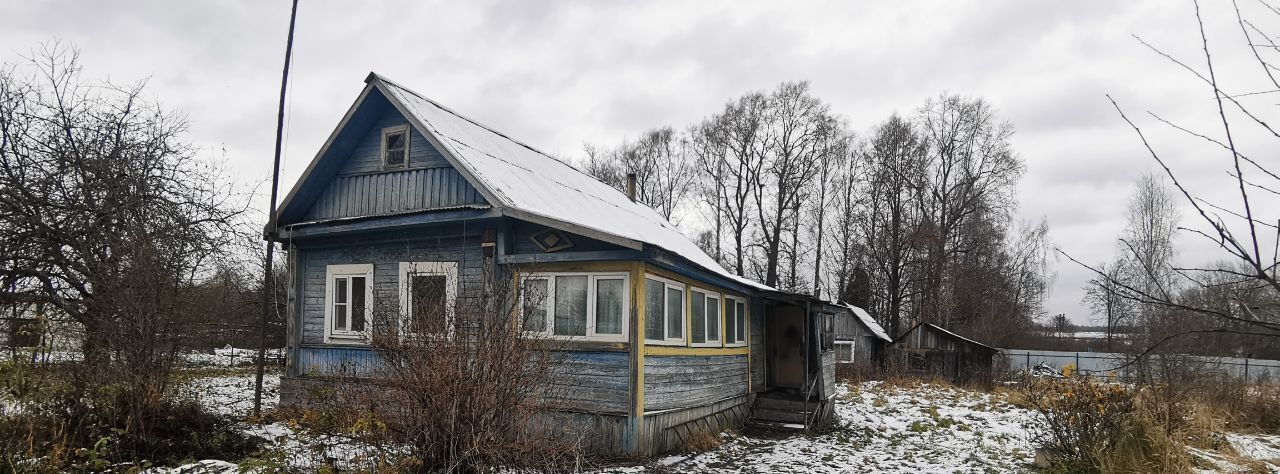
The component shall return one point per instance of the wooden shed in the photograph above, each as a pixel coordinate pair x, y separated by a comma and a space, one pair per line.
929, 350
859, 339
406, 191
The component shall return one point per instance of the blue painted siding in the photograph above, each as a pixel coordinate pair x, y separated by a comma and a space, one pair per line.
340, 361
593, 382
394, 192
366, 157
522, 244
688, 381
385, 257
362, 188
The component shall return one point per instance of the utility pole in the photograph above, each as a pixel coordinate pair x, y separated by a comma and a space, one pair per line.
268, 282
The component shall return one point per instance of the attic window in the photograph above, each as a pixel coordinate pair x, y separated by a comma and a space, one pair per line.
395, 146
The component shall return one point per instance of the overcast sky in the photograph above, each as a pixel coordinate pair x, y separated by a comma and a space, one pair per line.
556, 74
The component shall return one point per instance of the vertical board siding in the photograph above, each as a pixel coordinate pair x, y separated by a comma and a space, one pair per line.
398, 191
687, 381
674, 430
362, 188
339, 361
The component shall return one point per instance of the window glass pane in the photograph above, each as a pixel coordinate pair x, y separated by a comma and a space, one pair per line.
571, 306
653, 309
535, 305
357, 304
428, 297
729, 321
395, 157
844, 352
340, 290
395, 140
339, 317
395, 149
698, 310
675, 313
713, 319
742, 321
609, 302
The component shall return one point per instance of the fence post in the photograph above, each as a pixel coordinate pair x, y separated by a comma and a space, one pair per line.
1028, 361
1078, 363
1246, 371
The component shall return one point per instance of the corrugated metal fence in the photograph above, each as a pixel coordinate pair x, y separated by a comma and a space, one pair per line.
1107, 363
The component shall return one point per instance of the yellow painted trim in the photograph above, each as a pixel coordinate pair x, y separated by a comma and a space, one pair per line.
695, 351
637, 338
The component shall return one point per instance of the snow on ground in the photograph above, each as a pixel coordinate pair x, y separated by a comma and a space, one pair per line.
880, 428
883, 428
1262, 452
232, 393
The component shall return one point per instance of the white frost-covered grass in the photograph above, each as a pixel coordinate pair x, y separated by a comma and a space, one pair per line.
885, 428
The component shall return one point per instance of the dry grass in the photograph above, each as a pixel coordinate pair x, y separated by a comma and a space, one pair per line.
701, 441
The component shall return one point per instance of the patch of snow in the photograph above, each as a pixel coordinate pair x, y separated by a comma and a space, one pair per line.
232, 394
885, 428
208, 466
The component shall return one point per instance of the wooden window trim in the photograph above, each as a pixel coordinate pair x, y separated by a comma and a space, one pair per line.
347, 270
669, 284
382, 146
592, 278
450, 272
852, 347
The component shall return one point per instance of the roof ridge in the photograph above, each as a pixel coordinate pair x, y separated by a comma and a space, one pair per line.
477, 123
661, 221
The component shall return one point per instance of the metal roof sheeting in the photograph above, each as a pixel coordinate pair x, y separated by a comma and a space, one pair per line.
522, 178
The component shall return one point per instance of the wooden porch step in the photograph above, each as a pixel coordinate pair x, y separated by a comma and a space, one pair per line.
775, 426
781, 403
781, 416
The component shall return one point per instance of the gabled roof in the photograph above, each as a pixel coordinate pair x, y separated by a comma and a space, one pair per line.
522, 182
944, 331
868, 321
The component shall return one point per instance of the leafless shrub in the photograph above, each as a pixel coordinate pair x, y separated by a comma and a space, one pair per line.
458, 388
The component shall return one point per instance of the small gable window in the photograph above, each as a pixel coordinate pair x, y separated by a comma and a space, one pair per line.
395, 146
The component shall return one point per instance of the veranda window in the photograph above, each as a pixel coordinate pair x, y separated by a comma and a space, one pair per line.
704, 311
735, 321
664, 311
587, 306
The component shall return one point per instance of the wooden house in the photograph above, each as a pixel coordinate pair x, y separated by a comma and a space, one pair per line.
407, 191
927, 349
859, 338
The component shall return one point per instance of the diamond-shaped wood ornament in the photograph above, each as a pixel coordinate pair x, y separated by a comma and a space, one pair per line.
551, 240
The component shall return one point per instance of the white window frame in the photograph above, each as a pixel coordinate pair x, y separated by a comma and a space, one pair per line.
332, 336
711, 295
408, 269
592, 277
383, 146
746, 332
852, 350
669, 284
